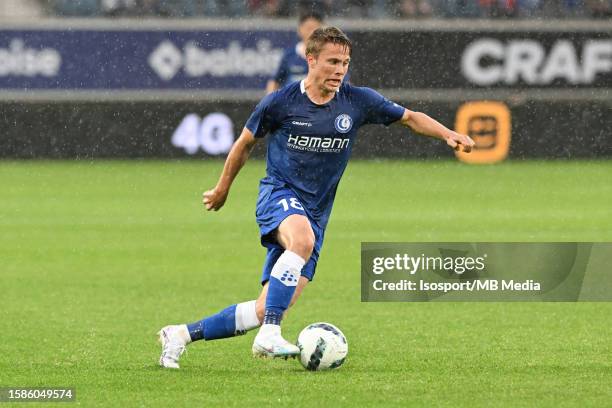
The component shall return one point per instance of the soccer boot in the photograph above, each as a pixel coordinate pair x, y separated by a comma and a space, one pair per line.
270, 343
173, 346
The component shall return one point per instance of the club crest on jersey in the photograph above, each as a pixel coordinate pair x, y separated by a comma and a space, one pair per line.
343, 123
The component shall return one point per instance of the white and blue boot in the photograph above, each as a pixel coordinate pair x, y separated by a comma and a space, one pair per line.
270, 343
173, 345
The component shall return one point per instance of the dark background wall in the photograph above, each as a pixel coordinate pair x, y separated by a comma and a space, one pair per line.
555, 83
145, 129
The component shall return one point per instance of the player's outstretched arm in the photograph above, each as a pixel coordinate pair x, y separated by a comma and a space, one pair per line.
238, 155
421, 123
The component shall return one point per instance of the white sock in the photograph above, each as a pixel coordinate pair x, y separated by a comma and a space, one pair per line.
246, 316
269, 330
288, 267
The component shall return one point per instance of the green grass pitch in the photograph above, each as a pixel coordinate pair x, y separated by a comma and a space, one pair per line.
96, 257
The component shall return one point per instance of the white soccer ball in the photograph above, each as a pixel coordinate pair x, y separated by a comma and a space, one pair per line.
322, 347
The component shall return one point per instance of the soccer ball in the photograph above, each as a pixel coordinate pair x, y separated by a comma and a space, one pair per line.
322, 347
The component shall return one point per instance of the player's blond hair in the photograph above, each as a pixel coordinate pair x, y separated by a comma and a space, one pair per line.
322, 36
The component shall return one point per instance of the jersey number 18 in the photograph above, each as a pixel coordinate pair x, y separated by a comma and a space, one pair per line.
293, 202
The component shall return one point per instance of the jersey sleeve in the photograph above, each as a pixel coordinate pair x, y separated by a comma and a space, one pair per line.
262, 120
378, 109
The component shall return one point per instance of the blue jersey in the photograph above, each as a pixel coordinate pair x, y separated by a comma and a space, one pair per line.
293, 67
309, 144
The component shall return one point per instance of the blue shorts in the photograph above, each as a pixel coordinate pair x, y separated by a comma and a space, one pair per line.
274, 204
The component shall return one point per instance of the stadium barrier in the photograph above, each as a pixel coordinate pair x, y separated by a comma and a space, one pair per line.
184, 89
197, 129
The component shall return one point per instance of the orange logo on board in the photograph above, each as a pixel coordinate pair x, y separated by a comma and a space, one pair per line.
489, 125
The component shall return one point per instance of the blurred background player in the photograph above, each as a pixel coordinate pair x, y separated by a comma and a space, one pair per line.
293, 66
308, 150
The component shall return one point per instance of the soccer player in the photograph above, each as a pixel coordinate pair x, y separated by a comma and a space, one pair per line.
293, 65
312, 126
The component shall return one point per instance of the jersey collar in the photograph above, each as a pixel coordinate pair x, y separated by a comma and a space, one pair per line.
303, 88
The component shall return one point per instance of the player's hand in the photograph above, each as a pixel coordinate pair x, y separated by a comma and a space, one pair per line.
214, 199
460, 142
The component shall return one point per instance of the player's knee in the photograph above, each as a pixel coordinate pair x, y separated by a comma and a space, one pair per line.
304, 245
309, 243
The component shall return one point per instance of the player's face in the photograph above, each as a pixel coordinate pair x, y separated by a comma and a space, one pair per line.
330, 66
307, 28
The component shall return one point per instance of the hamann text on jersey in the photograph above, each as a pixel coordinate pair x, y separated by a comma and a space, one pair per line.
309, 144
